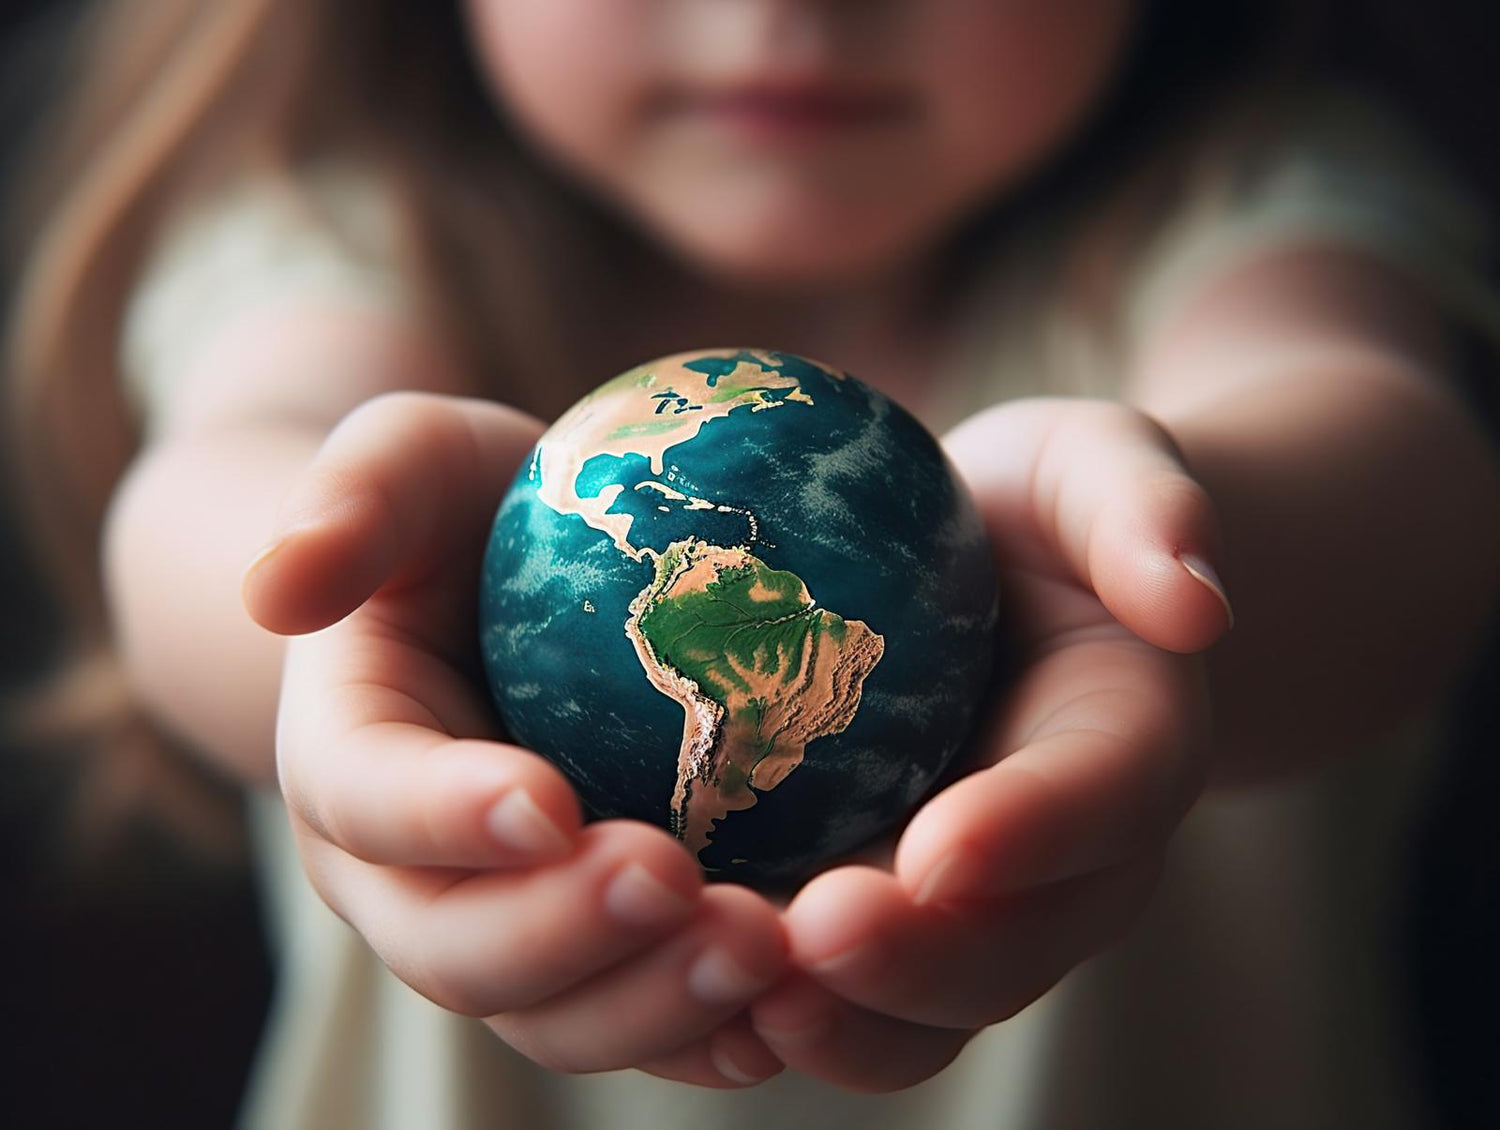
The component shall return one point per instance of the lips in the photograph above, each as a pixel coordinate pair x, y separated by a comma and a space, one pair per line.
792, 112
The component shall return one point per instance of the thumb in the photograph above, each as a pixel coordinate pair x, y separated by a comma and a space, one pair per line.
402, 485
1099, 491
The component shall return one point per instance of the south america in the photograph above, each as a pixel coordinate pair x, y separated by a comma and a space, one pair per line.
758, 668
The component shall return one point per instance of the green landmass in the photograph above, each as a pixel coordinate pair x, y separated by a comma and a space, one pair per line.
759, 669
740, 635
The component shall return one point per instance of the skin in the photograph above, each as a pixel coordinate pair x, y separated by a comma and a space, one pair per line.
974, 94
1295, 387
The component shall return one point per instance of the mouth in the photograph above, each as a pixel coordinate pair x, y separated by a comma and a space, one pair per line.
783, 113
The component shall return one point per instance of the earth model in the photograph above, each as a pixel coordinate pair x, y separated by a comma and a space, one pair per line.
743, 596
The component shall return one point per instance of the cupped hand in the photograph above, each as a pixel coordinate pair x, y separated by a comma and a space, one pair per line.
1049, 845
462, 859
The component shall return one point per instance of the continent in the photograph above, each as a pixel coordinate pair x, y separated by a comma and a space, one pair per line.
758, 668
644, 412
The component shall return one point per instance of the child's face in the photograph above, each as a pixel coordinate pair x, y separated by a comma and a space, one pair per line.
798, 140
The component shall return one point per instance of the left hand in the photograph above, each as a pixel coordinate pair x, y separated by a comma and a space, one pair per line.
1049, 847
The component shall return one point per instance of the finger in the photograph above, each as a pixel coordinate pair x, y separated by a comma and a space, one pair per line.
673, 993
820, 1034
1097, 760
365, 759
484, 943
402, 484
733, 1056
1103, 488
957, 966
406, 795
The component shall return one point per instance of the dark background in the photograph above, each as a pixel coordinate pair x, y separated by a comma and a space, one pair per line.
136, 984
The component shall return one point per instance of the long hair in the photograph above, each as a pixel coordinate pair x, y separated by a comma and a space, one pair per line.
181, 95
171, 97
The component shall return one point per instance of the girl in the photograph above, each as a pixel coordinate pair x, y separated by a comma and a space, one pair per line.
324, 265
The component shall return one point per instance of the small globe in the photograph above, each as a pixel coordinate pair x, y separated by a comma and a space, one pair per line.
744, 596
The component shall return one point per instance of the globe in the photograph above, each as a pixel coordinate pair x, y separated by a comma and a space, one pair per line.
742, 595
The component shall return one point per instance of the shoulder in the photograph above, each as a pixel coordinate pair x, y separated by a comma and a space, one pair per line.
1329, 167
271, 261
1324, 172
332, 224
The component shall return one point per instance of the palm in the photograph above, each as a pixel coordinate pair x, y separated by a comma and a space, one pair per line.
459, 857
1045, 843
1037, 855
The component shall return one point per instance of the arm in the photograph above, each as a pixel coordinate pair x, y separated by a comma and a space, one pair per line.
460, 858
1357, 500
246, 417
1350, 507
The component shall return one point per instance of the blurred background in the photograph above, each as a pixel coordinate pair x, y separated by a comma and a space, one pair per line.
136, 980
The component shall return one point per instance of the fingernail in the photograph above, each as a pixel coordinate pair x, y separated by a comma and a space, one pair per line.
731, 1070
271, 549
955, 876
264, 554
862, 953
1205, 574
519, 824
717, 978
247, 578
639, 898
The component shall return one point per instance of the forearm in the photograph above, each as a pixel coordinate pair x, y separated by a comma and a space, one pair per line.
184, 524
1358, 512
248, 411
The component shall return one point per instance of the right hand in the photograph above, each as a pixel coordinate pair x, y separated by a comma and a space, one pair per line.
462, 859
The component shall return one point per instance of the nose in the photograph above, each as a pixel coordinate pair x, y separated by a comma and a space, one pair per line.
798, 35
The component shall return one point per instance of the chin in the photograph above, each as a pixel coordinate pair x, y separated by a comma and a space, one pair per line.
762, 252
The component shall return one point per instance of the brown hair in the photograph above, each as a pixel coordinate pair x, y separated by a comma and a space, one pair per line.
182, 94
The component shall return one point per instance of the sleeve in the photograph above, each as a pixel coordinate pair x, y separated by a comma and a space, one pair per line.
256, 243
1344, 170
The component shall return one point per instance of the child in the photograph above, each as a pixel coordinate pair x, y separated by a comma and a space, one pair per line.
382, 235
